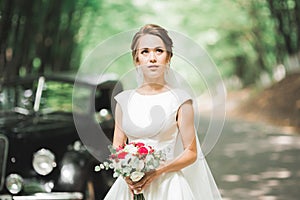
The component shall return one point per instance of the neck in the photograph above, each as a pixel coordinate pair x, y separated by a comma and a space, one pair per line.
152, 88
154, 82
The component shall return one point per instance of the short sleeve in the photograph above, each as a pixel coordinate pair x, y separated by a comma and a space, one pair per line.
122, 98
182, 96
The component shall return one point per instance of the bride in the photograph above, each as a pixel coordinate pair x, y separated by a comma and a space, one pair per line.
160, 115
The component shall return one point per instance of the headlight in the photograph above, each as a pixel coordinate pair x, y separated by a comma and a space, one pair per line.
43, 161
14, 183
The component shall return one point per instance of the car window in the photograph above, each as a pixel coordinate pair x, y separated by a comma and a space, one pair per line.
58, 96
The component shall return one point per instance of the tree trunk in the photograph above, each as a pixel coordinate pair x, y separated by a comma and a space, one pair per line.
293, 63
5, 27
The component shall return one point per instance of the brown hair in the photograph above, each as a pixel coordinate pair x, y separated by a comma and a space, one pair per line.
152, 29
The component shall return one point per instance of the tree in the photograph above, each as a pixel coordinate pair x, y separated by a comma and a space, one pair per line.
38, 36
287, 16
261, 38
238, 34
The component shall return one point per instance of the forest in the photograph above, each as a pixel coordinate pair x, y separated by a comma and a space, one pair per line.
248, 40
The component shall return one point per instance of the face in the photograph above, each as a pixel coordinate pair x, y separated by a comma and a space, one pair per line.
152, 56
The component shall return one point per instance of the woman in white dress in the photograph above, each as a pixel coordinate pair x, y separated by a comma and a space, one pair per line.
162, 116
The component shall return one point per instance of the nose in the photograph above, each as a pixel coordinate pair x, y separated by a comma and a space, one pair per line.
152, 57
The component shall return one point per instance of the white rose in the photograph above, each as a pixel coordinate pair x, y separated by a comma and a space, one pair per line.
131, 149
140, 165
136, 176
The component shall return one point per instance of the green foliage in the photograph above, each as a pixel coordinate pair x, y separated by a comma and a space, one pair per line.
57, 97
239, 35
244, 38
38, 36
110, 18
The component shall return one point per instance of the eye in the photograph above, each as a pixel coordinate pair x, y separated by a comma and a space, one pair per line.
145, 51
159, 50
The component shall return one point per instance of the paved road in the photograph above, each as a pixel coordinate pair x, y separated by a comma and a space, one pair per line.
254, 161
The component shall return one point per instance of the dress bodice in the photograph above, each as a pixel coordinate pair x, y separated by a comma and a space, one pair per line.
152, 118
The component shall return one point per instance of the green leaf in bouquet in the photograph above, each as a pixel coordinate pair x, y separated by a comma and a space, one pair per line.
112, 149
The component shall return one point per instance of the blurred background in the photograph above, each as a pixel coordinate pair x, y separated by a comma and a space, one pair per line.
255, 45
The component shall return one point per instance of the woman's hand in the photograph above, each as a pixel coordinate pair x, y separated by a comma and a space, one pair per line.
146, 180
143, 183
129, 183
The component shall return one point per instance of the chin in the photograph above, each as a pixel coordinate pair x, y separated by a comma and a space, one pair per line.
155, 75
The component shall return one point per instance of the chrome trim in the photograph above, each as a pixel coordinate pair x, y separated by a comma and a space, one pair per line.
3, 167
5, 197
38, 96
52, 196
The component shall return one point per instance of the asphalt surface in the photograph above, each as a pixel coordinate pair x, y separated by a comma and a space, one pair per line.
255, 161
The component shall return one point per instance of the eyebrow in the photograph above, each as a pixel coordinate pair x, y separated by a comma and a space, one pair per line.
159, 47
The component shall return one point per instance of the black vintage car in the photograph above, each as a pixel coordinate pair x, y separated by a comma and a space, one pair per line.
42, 156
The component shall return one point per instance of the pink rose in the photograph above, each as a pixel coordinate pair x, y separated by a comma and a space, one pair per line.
122, 155
139, 144
143, 150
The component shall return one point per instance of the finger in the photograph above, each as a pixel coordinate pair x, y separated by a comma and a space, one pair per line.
131, 190
147, 183
127, 178
141, 185
138, 185
137, 190
129, 181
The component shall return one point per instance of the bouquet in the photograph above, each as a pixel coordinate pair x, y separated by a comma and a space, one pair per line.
132, 160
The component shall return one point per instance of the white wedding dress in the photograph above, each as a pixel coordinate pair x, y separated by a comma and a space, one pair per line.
151, 119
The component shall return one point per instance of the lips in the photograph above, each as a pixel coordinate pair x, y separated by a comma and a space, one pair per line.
153, 66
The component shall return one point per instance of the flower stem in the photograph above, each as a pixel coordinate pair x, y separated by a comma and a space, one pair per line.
138, 197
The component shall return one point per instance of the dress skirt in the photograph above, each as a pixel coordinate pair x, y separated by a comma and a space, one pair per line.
168, 186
